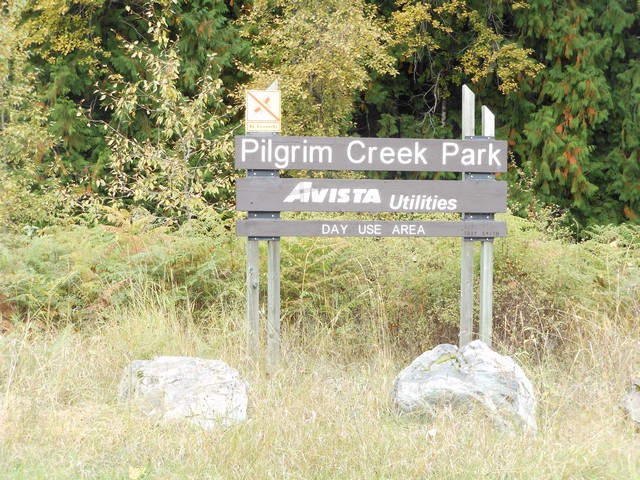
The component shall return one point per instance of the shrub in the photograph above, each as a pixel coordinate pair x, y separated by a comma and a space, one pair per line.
73, 273
390, 292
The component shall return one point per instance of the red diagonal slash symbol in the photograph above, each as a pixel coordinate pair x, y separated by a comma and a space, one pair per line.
266, 100
263, 105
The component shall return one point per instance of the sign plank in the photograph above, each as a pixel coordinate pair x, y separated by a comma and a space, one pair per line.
372, 228
321, 195
373, 154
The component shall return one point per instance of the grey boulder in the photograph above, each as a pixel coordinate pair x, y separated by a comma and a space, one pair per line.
206, 393
475, 374
631, 402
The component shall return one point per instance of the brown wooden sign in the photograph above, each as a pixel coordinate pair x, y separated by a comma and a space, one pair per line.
263, 194
373, 228
259, 194
374, 154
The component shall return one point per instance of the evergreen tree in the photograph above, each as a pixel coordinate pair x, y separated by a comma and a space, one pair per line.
67, 56
618, 139
385, 68
572, 125
580, 146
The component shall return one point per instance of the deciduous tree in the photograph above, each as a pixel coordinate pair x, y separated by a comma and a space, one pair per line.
322, 54
183, 163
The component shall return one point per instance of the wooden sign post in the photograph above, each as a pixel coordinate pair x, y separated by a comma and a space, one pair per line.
263, 122
486, 255
479, 213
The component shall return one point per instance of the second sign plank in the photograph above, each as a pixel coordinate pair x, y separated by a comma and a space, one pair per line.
321, 195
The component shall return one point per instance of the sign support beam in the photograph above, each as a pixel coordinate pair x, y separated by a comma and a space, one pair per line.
486, 292
486, 256
273, 306
263, 121
253, 300
466, 268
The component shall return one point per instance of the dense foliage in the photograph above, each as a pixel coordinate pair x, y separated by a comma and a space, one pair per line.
108, 107
407, 292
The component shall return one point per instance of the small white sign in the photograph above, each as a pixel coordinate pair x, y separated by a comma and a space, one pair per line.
263, 111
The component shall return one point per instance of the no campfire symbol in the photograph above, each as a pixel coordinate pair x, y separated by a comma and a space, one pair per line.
263, 111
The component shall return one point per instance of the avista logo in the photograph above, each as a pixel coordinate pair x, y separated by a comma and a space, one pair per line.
304, 192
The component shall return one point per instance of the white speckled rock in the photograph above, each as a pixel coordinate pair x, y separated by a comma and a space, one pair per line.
447, 375
207, 393
631, 402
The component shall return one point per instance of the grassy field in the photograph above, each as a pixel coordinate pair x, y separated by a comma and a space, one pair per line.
323, 415
327, 412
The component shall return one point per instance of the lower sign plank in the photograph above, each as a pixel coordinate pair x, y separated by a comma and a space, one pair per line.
322, 195
344, 228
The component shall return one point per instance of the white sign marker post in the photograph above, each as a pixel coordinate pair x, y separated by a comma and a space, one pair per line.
466, 272
486, 255
468, 243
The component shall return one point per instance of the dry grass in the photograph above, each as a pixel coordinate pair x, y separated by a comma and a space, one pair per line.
325, 414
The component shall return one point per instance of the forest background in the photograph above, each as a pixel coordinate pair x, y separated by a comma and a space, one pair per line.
108, 107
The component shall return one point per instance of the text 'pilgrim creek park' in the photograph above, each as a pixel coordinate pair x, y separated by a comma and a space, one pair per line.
332, 153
